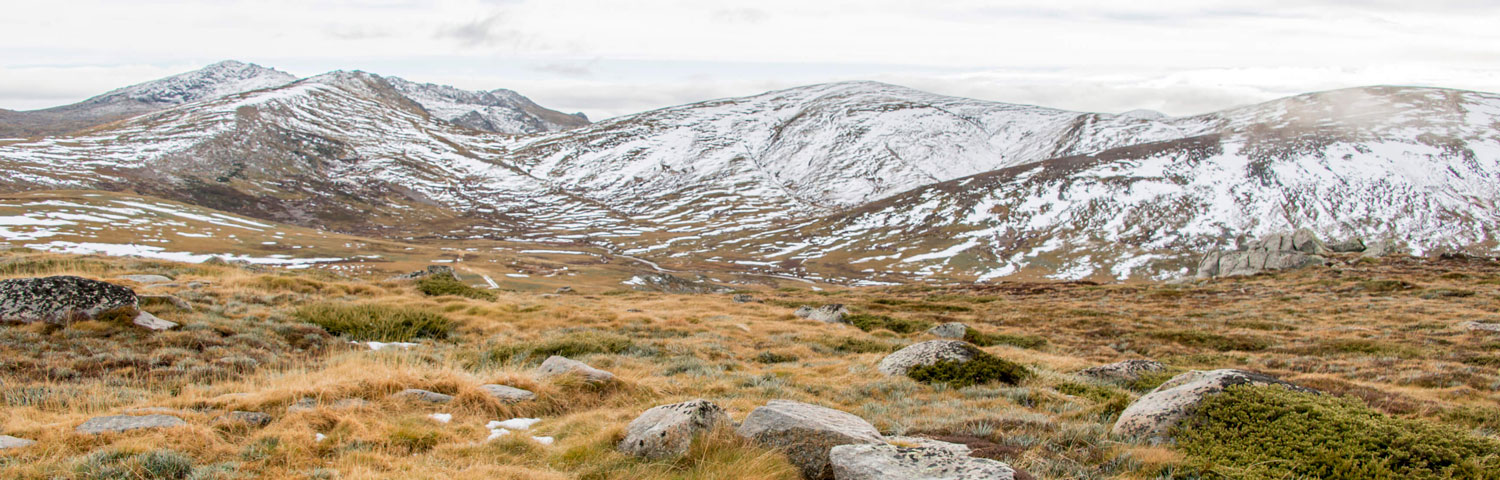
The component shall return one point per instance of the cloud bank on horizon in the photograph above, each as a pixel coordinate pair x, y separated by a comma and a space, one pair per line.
613, 58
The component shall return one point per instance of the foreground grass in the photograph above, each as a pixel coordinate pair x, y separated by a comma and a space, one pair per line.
1397, 352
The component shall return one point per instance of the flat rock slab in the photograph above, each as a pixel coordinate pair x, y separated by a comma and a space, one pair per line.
926, 353
8, 442
928, 461
1126, 371
146, 279
557, 365
125, 423
423, 396
507, 394
1155, 413
806, 432
667, 431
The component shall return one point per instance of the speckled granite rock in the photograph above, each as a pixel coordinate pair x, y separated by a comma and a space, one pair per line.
1152, 415
926, 353
806, 433
667, 431
556, 365
927, 460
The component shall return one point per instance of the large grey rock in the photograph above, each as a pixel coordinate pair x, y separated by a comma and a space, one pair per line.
832, 313
125, 423
954, 330
507, 394
1351, 245
1278, 251
420, 395
8, 442
806, 433
556, 365
1385, 247
65, 299
668, 430
1155, 413
431, 270
146, 279
1126, 371
926, 353
1301, 240
905, 460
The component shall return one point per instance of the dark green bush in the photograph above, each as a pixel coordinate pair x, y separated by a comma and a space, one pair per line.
869, 322
856, 345
1273, 432
381, 323
988, 339
981, 369
438, 285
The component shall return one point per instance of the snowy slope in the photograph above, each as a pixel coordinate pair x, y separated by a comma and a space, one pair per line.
501, 111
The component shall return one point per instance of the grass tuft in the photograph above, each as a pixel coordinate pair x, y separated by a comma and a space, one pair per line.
375, 322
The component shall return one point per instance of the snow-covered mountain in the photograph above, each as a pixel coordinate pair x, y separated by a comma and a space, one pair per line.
213, 81
501, 111
850, 181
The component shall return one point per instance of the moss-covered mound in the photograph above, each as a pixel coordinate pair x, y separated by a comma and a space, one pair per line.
1272, 432
438, 285
981, 369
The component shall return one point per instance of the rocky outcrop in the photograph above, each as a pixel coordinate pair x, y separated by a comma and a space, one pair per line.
419, 395
806, 433
556, 365
1126, 371
431, 270
1385, 247
506, 393
1281, 251
1352, 245
65, 299
926, 353
832, 313
904, 459
146, 279
661, 282
125, 423
667, 431
1155, 413
954, 330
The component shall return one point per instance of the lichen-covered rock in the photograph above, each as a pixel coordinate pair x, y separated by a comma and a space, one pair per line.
928, 460
125, 423
832, 313
668, 430
507, 394
419, 395
1154, 414
556, 365
1351, 245
65, 299
954, 330
1126, 371
926, 353
1301, 240
1251, 262
8, 442
806, 433
256, 419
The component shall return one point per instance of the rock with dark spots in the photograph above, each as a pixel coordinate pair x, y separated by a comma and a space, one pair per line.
419, 395
507, 394
1155, 413
255, 419
431, 270
61, 299
667, 431
557, 365
1351, 245
806, 433
832, 313
8, 442
146, 279
954, 330
125, 423
1126, 371
928, 460
743, 298
926, 353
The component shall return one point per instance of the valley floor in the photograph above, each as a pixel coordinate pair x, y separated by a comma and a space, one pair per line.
1385, 334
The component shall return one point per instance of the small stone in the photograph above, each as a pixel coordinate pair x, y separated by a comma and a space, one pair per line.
255, 419
301, 405
148, 321
423, 396
832, 313
146, 279
667, 431
8, 442
743, 298
1126, 371
954, 330
564, 290
507, 394
557, 365
125, 423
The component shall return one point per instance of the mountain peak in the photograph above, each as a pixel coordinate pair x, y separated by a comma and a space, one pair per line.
216, 80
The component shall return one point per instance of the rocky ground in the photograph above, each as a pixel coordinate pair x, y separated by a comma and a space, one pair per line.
311, 374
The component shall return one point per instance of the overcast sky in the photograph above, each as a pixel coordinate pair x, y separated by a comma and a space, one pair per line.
612, 57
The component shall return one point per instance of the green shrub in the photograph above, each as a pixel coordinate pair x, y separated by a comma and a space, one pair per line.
1273, 432
856, 345
373, 322
438, 285
981, 369
122, 465
988, 339
869, 322
413, 438
1109, 401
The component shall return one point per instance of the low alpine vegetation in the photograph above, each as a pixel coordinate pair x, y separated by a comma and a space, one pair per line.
376, 322
980, 369
439, 285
